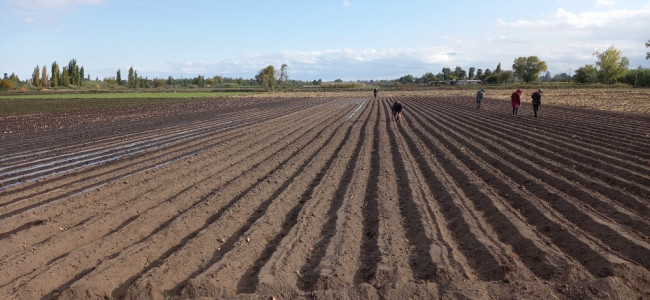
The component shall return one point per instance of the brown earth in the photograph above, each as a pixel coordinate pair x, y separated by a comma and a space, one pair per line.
326, 197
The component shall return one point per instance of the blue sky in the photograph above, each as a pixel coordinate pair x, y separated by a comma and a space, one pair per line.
326, 39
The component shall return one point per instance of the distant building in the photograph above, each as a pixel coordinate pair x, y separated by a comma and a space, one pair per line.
465, 82
459, 82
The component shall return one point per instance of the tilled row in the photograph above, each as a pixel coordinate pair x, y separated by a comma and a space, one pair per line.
622, 230
115, 221
339, 200
46, 161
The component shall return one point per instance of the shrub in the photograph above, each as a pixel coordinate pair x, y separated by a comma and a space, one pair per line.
6, 85
637, 77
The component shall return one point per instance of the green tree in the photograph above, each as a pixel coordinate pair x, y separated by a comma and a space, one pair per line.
406, 79
611, 66
73, 71
14, 78
446, 73
428, 78
479, 74
118, 78
460, 73
586, 74
36, 76
266, 78
130, 80
637, 77
56, 74
487, 74
647, 45
471, 72
528, 68
65, 77
199, 81
81, 76
498, 69
506, 76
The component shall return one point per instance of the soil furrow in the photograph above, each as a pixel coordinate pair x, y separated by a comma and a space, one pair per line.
324, 196
330, 270
212, 269
175, 180
327, 231
370, 254
421, 262
553, 162
605, 208
110, 155
569, 244
527, 246
561, 129
623, 245
160, 227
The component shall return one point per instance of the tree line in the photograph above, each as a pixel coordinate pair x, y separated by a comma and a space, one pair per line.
610, 67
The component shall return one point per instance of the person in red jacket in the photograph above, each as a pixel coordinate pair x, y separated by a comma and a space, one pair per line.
516, 101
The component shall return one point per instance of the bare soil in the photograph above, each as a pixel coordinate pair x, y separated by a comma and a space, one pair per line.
326, 197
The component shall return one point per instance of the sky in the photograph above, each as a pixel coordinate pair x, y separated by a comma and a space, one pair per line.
317, 39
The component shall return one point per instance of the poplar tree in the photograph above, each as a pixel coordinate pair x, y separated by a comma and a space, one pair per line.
36, 75
73, 71
119, 77
45, 81
284, 75
56, 74
130, 80
65, 77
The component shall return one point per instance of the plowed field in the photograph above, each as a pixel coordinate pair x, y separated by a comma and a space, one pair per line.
326, 198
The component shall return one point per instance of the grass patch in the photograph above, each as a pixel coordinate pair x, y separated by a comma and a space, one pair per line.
44, 103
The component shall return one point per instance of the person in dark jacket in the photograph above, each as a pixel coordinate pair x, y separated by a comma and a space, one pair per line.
397, 110
479, 97
537, 100
375, 92
516, 101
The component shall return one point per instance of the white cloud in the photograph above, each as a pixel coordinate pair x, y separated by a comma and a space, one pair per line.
346, 3
564, 18
326, 64
604, 3
27, 10
425, 55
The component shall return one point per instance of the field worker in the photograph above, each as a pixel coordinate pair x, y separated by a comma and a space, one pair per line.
516, 101
479, 98
397, 110
375, 91
537, 100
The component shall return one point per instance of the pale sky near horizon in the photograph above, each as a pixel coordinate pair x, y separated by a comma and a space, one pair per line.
327, 39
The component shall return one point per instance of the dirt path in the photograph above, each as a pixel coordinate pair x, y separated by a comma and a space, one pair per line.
326, 198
